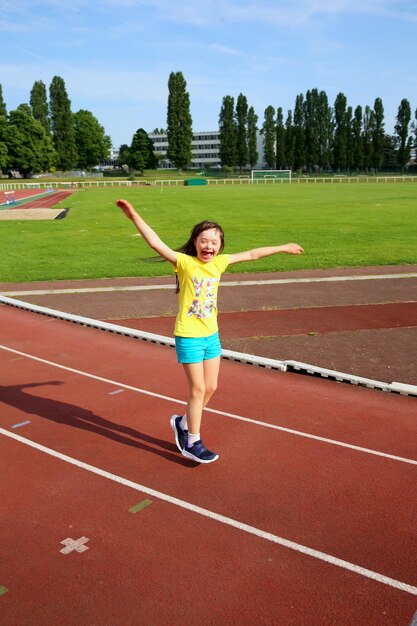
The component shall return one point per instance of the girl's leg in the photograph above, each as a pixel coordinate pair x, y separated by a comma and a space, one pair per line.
211, 375
202, 381
197, 390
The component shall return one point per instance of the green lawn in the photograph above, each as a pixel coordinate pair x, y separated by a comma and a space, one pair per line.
338, 225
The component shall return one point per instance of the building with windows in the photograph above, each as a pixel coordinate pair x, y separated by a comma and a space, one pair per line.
205, 149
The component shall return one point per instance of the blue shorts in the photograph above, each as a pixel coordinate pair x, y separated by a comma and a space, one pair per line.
197, 349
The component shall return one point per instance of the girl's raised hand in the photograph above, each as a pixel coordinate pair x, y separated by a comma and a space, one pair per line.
127, 208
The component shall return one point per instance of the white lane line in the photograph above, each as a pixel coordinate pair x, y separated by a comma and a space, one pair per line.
231, 283
241, 418
311, 552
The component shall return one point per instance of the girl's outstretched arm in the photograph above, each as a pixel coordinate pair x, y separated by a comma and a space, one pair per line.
149, 235
258, 253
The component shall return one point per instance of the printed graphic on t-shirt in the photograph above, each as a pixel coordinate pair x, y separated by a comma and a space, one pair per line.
204, 301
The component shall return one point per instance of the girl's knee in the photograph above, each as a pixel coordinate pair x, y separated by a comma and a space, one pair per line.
211, 388
198, 391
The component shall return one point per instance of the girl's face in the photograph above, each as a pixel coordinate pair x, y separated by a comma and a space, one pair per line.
207, 244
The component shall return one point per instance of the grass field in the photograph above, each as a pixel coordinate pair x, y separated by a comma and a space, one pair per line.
338, 226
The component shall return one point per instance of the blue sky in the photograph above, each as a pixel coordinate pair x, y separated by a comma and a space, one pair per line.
115, 56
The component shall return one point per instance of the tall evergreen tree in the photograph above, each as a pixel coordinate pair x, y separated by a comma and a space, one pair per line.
3, 132
3, 109
415, 134
311, 109
280, 141
289, 140
93, 145
227, 128
390, 152
349, 137
378, 136
324, 130
368, 131
357, 138
269, 134
253, 155
299, 133
404, 141
3, 142
39, 104
241, 131
340, 132
62, 124
179, 121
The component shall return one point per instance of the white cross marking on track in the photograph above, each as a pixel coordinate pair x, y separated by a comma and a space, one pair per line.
74, 544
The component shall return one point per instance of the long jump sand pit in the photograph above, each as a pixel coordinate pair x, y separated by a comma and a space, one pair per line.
33, 214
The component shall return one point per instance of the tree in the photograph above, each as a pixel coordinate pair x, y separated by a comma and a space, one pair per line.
415, 133
357, 139
179, 122
3, 132
252, 138
30, 148
227, 127
62, 124
39, 104
340, 133
401, 130
124, 154
299, 133
3, 109
289, 140
280, 141
93, 145
324, 130
378, 135
311, 125
3, 142
367, 133
390, 152
141, 155
349, 137
241, 131
269, 134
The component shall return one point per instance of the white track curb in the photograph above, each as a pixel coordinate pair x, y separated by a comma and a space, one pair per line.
250, 359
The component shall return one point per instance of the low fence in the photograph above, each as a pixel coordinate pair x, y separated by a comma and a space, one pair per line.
243, 180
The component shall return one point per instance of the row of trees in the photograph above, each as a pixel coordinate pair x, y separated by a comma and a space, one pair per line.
316, 135
46, 135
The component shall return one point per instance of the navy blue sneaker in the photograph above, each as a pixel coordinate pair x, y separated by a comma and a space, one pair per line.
179, 434
198, 452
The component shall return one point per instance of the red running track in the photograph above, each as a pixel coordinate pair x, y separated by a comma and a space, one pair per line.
44, 201
329, 467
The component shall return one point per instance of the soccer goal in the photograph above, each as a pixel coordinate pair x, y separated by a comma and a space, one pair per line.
270, 176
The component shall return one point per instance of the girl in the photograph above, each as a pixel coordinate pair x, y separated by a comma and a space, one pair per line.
198, 265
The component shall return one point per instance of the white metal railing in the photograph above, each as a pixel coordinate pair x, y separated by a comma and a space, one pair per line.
210, 181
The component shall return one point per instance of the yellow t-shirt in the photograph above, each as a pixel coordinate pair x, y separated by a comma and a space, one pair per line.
197, 303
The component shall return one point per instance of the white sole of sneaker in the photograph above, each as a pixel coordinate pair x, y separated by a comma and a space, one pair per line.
174, 428
190, 456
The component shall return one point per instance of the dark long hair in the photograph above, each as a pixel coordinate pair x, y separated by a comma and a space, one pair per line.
189, 247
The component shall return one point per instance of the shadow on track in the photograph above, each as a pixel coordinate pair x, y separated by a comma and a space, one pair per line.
77, 417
